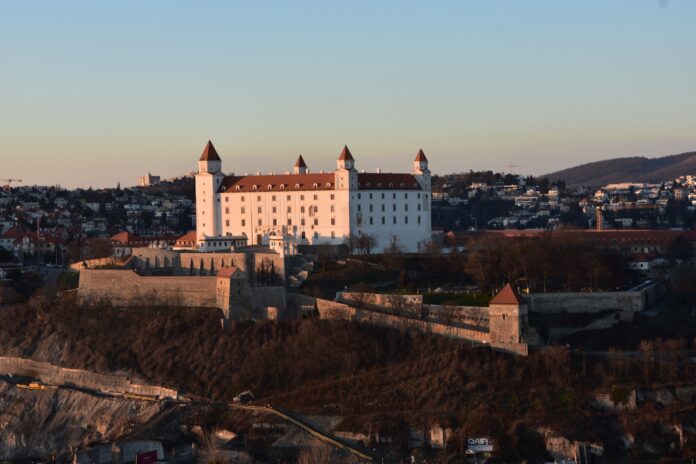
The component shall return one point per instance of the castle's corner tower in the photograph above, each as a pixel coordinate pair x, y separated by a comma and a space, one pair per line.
208, 182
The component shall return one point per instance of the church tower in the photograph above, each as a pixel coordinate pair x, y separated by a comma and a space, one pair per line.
208, 181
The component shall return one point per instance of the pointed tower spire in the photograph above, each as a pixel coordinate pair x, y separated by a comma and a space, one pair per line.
421, 156
209, 153
300, 166
345, 154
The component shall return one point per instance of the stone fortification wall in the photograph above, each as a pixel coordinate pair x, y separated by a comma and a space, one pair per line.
584, 302
55, 375
206, 264
335, 310
264, 297
126, 288
476, 316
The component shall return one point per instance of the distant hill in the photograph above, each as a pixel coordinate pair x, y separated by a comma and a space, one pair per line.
631, 169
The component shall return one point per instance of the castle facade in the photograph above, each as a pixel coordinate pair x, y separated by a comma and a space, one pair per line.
300, 207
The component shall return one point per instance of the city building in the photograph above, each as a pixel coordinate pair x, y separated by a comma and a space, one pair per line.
147, 180
304, 208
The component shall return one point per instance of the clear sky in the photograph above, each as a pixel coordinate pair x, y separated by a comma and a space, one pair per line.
95, 92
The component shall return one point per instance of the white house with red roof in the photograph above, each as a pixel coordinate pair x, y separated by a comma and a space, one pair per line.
312, 208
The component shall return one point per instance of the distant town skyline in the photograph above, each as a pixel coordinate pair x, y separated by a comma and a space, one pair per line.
95, 94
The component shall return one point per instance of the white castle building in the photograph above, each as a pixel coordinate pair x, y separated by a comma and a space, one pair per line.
286, 210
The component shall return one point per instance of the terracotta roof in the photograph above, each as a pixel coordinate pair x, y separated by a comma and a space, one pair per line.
209, 153
279, 182
507, 296
125, 238
345, 154
421, 156
227, 271
387, 181
188, 237
300, 162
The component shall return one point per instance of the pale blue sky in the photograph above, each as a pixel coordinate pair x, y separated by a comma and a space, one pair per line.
98, 92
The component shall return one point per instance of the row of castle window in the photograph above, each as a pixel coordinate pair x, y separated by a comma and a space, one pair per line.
393, 207
384, 220
273, 198
393, 196
312, 209
275, 222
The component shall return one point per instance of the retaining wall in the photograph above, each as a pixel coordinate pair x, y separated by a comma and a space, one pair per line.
126, 288
54, 375
334, 310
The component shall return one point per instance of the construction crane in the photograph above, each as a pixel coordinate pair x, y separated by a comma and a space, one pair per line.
511, 166
8, 182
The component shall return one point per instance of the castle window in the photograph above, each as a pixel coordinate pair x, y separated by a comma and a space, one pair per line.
282, 186
405, 219
371, 222
394, 219
382, 207
297, 186
243, 222
419, 207
302, 221
419, 220
275, 222
370, 196
333, 221
258, 198
333, 208
401, 185
301, 197
301, 209
259, 209
379, 185
316, 197
367, 185
243, 210
405, 206
384, 221
316, 221
315, 185
332, 196
405, 194
394, 196
370, 207
289, 221
255, 187
237, 188
273, 198
260, 222
359, 196
227, 211
227, 199
289, 209
242, 197
419, 196
269, 187
328, 185
333, 234
274, 210
359, 208
227, 222
391, 185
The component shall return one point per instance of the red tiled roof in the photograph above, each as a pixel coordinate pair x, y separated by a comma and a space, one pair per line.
300, 162
279, 182
421, 156
507, 296
209, 153
387, 181
188, 237
227, 271
125, 238
345, 154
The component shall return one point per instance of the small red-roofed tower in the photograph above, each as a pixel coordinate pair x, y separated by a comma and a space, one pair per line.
507, 314
421, 171
346, 175
300, 166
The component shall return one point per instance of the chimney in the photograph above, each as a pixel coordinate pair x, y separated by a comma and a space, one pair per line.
379, 171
